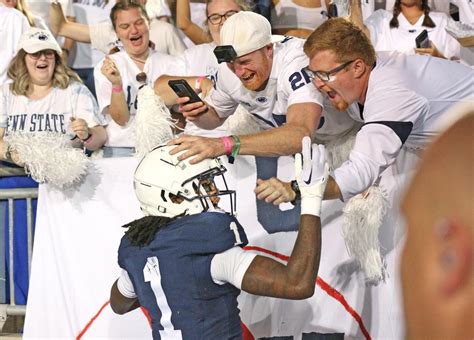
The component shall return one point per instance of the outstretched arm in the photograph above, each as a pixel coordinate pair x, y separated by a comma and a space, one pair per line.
296, 280
60, 25
184, 23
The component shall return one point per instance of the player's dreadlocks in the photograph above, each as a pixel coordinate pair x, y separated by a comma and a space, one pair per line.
140, 232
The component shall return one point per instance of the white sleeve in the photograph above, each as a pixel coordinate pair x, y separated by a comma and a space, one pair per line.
85, 106
376, 147
219, 98
125, 285
103, 37
4, 106
103, 88
175, 46
230, 266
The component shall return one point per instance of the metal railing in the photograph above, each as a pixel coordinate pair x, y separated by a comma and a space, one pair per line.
11, 195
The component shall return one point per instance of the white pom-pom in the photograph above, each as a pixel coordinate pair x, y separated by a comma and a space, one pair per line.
153, 123
242, 123
363, 216
49, 157
338, 149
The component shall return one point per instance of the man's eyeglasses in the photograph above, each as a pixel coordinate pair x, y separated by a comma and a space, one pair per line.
326, 76
48, 54
216, 19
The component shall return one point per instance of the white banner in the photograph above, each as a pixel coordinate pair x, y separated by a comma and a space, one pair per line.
75, 262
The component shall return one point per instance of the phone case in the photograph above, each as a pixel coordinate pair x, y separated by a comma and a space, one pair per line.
182, 89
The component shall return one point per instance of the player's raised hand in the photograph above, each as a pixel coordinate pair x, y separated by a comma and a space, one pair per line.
312, 172
111, 72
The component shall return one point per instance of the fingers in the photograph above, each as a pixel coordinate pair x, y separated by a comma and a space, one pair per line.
199, 147
80, 128
192, 110
272, 191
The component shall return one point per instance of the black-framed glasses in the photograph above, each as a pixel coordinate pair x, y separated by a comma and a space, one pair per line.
48, 54
216, 18
326, 76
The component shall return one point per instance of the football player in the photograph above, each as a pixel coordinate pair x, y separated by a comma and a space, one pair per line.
184, 261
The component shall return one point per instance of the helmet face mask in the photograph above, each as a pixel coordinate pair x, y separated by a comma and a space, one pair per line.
161, 178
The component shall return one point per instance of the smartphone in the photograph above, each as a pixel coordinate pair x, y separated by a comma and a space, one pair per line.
182, 89
422, 40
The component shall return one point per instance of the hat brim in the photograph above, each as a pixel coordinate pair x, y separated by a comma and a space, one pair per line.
33, 48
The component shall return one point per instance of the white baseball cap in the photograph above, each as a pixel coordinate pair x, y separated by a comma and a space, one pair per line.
36, 39
246, 32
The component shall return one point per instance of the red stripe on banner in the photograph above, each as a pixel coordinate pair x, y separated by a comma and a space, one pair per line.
147, 315
91, 321
334, 293
246, 332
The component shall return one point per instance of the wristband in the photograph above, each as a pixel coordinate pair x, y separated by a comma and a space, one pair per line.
197, 84
117, 88
227, 145
235, 149
88, 139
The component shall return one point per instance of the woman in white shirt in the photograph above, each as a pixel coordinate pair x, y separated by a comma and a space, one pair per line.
45, 95
397, 31
298, 17
120, 75
198, 65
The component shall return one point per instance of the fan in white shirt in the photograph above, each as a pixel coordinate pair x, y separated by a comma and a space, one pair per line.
403, 96
49, 97
102, 37
199, 61
268, 80
12, 25
119, 76
397, 31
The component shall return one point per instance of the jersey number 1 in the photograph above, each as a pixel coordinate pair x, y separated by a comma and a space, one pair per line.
151, 273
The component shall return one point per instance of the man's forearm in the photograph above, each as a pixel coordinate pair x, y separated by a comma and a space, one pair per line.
209, 120
332, 190
282, 141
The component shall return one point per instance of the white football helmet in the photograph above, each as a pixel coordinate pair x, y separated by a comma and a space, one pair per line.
168, 187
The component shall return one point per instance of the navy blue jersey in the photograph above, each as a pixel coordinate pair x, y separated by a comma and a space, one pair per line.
172, 277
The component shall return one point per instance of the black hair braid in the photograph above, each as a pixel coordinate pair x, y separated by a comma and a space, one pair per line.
142, 231
427, 22
397, 8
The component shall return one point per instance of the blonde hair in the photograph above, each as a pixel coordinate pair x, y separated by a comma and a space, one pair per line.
244, 6
23, 8
63, 76
343, 38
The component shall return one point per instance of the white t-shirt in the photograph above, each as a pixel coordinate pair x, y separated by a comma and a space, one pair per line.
89, 12
290, 15
405, 97
466, 10
402, 39
51, 113
229, 266
12, 25
156, 65
287, 85
163, 34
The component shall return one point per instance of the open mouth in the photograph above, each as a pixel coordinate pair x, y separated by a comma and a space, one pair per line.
137, 41
249, 77
42, 67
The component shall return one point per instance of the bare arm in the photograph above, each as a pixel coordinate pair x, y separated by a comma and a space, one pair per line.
183, 22
118, 108
296, 280
60, 25
302, 120
121, 304
356, 17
